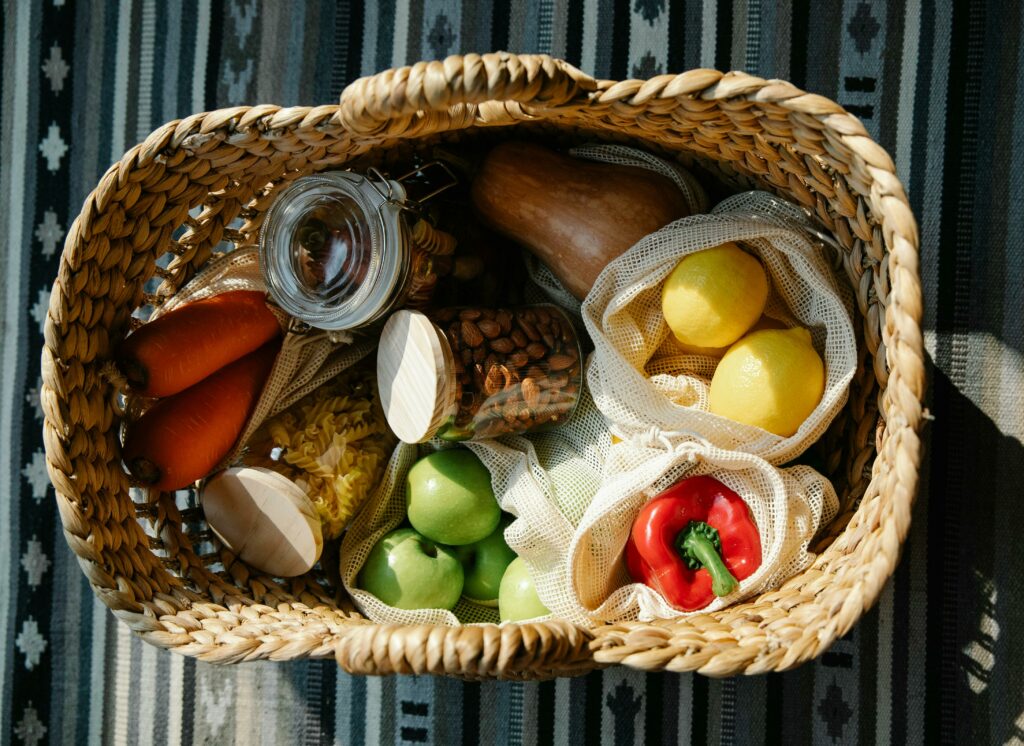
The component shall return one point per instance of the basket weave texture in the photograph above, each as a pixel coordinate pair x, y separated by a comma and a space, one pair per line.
209, 178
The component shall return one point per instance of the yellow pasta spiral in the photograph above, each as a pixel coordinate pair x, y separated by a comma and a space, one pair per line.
335, 442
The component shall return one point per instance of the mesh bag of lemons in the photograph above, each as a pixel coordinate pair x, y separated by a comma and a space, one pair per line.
730, 326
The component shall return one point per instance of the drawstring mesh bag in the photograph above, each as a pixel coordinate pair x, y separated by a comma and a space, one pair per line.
545, 480
788, 506
637, 374
382, 513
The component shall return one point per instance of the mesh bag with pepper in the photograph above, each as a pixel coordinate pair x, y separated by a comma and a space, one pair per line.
760, 525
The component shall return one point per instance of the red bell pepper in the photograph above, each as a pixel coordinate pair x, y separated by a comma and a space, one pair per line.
692, 542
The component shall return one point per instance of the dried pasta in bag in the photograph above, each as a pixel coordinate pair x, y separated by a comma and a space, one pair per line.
334, 444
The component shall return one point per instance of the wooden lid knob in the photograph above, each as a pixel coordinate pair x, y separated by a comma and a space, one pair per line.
415, 376
265, 519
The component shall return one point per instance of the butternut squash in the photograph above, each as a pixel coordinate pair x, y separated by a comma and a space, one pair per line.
575, 215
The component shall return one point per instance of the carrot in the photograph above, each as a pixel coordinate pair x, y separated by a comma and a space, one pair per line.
177, 350
182, 438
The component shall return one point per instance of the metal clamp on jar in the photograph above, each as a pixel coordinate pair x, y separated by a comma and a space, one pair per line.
475, 373
337, 250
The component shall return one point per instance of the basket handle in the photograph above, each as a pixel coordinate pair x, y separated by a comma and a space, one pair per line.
389, 100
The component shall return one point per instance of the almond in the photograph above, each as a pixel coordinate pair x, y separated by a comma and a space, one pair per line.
489, 328
504, 345
528, 327
511, 376
494, 382
558, 380
471, 334
536, 350
560, 361
518, 359
504, 319
531, 393
454, 337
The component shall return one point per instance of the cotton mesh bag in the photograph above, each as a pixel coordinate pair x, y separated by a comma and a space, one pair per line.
788, 506
638, 375
545, 480
382, 513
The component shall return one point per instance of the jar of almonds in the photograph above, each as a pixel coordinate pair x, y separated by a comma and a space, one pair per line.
475, 373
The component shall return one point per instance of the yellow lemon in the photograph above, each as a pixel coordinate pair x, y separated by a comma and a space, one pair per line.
772, 379
714, 296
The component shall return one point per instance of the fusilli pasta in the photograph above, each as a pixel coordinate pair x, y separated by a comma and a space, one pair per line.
334, 444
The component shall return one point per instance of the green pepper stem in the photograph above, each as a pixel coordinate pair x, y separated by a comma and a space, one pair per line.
699, 541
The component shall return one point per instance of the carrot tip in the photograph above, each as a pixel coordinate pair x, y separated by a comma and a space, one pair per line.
145, 470
135, 372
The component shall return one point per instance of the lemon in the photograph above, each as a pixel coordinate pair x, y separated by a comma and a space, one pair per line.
714, 296
772, 379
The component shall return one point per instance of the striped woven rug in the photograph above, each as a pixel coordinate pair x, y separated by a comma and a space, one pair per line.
939, 659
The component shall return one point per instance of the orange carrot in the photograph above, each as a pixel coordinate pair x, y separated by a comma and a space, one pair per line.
177, 350
182, 438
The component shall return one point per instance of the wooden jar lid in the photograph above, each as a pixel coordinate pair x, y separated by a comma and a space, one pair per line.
265, 519
415, 376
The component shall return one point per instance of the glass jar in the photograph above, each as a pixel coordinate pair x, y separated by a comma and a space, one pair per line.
338, 250
475, 373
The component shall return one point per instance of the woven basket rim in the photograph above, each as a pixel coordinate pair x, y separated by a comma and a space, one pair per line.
110, 245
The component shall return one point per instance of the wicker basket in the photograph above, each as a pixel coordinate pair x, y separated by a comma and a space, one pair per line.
207, 179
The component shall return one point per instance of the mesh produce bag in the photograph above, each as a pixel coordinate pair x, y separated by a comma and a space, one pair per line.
638, 375
546, 480
788, 506
383, 512
308, 357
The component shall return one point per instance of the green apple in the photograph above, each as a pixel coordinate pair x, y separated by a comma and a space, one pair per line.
517, 597
449, 498
408, 571
484, 564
